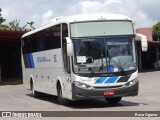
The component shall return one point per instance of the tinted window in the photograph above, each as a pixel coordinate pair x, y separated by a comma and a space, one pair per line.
52, 38
41, 40
29, 44
44, 40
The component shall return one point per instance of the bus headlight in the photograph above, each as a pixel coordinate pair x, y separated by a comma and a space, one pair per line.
83, 85
132, 82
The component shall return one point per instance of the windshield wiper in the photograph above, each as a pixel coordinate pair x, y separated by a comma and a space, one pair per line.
119, 66
102, 65
94, 69
101, 68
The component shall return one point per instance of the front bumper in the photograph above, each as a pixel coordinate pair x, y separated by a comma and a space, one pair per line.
80, 93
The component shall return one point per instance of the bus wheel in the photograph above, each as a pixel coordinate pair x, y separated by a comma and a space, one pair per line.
61, 100
35, 94
113, 100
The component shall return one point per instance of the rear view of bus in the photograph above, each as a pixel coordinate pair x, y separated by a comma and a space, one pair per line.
100, 58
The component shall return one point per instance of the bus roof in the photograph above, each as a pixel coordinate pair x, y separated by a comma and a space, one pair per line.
78, 18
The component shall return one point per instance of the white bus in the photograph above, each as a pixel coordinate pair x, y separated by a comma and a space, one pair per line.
82, 57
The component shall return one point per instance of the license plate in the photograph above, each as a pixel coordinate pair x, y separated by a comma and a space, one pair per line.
109, 93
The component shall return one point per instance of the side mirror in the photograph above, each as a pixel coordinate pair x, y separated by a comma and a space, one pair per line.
144, 43
69, 46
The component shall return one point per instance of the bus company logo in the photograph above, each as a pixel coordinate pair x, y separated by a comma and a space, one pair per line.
43, 59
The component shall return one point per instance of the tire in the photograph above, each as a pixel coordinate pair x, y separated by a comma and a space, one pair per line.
35, 94
61, 100
113, 100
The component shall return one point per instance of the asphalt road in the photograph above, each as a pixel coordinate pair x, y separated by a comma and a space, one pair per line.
17, 98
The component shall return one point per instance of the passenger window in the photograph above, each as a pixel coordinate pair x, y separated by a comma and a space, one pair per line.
52, 38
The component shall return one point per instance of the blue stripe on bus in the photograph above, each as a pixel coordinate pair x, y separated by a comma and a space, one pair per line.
102, 80
111, 79
30, 60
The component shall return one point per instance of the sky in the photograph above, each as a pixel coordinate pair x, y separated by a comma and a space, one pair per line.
144, 13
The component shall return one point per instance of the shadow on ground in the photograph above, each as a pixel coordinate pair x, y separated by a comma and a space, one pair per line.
89, 103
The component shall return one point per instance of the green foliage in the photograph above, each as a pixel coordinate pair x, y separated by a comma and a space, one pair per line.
14, 24
2, 20
156, 31
4, 26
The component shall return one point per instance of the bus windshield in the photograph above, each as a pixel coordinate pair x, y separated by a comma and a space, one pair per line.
103, 55
101, 28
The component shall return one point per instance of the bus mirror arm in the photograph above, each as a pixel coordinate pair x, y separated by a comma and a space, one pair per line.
69, 46
144, 43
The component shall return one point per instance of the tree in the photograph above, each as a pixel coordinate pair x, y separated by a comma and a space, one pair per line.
2, 20
156, 32
14, 24
31, 24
